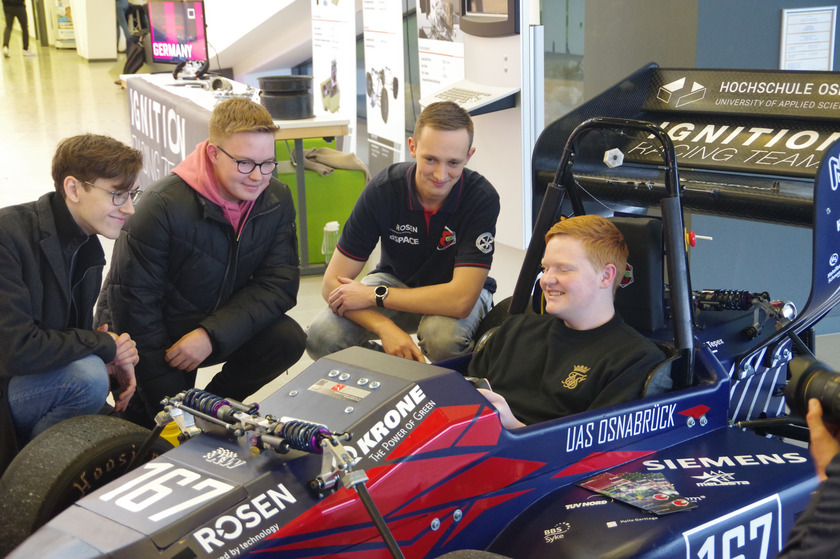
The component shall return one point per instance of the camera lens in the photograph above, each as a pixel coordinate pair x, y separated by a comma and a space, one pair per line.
813, 379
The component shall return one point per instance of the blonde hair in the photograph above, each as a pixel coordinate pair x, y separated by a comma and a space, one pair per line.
239, 115
603, 242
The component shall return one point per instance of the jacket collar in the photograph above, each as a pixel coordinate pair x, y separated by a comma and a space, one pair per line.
60, 231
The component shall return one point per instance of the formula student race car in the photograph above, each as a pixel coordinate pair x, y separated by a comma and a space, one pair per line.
368, 455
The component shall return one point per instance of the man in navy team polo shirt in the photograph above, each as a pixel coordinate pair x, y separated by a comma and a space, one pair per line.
436, 221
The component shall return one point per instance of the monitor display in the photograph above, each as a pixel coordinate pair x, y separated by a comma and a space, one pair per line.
177, 31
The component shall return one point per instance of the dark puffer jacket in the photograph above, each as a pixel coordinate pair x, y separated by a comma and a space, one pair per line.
178, 265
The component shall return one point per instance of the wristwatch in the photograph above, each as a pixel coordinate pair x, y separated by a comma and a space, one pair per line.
380, 292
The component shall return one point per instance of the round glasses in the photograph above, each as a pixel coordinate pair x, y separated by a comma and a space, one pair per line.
246, 166
119, 197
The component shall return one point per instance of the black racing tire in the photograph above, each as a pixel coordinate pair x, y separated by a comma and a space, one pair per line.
383, 104
61, 465
396, 87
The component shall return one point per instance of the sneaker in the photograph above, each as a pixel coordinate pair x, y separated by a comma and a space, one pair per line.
29, 53
6, 52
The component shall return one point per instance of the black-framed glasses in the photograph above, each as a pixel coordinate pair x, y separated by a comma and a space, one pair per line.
246, 166
120, 197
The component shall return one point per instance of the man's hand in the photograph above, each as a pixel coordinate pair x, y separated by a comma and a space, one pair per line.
501, 405
127, 382
126, 354
351, 295
395, 341
824, 437
122, 367
190, 351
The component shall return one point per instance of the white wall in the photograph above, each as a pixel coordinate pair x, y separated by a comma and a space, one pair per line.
95, 26
228, 21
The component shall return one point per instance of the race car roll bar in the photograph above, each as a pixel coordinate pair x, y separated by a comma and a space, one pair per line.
673, 225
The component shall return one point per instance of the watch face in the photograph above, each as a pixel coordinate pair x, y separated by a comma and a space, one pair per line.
381, 291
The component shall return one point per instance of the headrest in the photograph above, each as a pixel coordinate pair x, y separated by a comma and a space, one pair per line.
640, 296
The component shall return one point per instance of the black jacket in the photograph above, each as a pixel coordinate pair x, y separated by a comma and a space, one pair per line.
178, 265
46, 316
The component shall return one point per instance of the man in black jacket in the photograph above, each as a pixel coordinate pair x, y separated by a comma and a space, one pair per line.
207, 268
53, 363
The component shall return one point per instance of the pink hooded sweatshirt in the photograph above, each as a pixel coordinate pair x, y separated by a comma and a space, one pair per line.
197, 171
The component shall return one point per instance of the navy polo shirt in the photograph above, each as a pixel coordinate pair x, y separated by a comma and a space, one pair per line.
461, 233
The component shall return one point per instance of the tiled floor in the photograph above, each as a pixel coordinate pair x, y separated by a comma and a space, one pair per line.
58, 94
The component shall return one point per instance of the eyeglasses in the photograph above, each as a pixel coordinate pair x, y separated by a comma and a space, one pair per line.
246, 166
120, 197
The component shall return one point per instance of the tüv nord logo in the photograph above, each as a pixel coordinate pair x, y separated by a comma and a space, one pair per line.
669, 92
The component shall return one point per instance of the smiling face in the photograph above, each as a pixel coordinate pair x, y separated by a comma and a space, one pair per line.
93, 208
249, 146
575, 291
441, 157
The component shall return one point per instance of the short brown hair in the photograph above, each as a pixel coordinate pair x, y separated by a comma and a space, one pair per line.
444, 115
239, 115
88, 157
603, 242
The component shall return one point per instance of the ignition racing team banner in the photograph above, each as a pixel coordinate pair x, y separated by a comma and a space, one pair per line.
164, 127
334, 62
384, 76
770, 122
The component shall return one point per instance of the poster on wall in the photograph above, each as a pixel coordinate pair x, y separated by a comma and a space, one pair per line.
384, 79
440, 44
334, 62
808, 38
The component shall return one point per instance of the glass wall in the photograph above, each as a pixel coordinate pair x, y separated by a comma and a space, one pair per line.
563, 25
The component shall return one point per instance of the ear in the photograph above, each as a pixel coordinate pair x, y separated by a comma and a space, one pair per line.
72, 186
608, 276
470, 154
412, 147
213, 153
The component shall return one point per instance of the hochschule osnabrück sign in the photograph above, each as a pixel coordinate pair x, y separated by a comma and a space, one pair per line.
776, 122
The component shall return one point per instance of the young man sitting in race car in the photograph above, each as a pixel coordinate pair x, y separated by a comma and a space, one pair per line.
580, 355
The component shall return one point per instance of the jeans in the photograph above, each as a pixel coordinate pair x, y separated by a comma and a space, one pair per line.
439, 337
38, 402
122, 23
19, 12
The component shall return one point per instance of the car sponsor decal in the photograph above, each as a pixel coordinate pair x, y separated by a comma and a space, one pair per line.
753, 531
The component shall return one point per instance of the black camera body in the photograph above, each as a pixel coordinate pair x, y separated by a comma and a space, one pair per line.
810, 378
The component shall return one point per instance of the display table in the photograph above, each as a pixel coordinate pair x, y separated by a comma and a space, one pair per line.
170, 117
